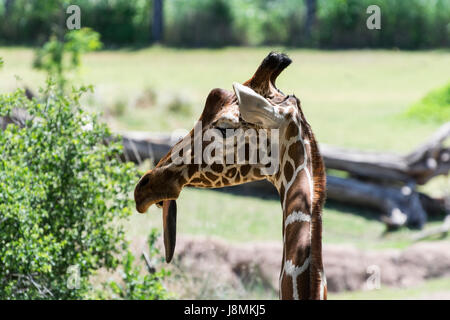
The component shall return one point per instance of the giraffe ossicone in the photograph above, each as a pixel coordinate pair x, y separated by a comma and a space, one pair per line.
283, 152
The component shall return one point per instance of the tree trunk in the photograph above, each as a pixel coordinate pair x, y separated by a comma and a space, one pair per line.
158, 22
311, 9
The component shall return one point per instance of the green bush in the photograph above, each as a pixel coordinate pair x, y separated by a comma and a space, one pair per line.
120, 22
62, 191
25, 21
269, 22
409, 24
435, 106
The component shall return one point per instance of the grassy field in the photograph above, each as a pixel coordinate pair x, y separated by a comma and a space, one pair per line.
437, 289
351, 98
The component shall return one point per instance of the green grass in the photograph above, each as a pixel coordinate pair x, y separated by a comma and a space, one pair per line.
435, 106
241, 219
431, 289
351, 98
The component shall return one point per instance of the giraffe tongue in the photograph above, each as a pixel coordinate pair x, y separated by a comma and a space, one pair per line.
170, 227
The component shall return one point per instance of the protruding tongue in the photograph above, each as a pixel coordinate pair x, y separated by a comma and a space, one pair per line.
170, 227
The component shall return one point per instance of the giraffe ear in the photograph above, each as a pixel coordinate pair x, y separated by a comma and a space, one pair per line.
170, 227
256, 109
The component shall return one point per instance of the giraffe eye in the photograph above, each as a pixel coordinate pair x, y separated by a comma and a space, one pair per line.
223, 131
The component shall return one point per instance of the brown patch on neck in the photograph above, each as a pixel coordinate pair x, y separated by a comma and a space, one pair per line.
291, 131
297, 235
288, 171
296, 153
298, 196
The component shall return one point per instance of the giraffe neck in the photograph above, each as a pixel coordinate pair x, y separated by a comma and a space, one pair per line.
295, 184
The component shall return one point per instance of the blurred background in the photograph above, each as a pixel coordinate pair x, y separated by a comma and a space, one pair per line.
378, 93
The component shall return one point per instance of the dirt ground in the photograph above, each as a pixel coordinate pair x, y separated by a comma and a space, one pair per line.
219, 264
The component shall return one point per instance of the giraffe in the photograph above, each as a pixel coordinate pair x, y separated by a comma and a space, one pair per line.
299, 175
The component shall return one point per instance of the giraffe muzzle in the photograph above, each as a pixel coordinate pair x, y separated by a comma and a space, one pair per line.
156, 186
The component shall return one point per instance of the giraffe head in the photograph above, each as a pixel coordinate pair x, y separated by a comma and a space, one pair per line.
210, 156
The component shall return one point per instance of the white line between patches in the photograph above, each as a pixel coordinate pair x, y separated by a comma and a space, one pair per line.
294, 271
297, 216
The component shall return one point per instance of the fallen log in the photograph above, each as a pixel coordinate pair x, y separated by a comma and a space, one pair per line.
388, 181
399, 206
418, 167
427, 161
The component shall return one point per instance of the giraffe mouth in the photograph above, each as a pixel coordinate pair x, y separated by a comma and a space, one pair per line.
143, 205
155, 187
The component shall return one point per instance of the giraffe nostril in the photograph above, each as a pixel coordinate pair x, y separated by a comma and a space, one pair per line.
144, 181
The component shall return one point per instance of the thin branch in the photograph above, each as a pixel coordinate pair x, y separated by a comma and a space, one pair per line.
151, 269
442, 229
